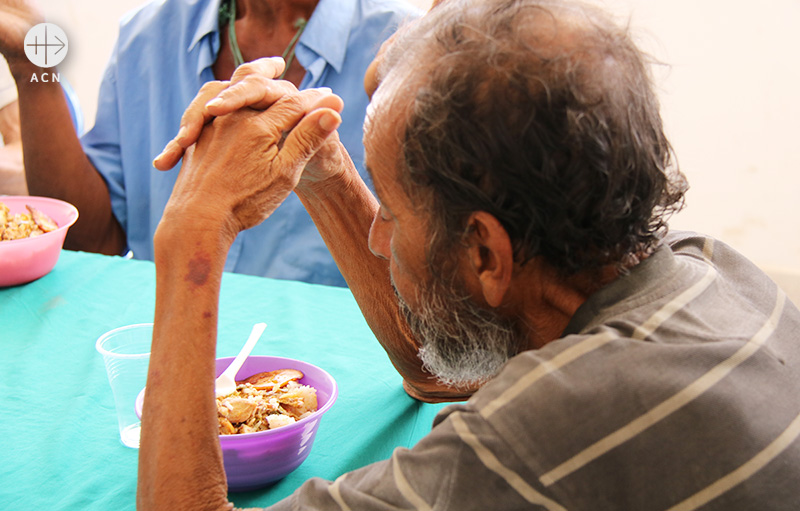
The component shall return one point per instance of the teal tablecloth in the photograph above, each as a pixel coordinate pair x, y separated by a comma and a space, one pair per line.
59, 443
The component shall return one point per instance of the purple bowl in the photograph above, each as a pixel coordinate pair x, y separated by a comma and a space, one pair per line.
254, 460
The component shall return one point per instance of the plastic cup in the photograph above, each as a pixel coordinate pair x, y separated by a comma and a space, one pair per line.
126, 353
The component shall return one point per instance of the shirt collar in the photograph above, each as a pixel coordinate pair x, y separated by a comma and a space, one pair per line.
327, 32
208, 23
644, 278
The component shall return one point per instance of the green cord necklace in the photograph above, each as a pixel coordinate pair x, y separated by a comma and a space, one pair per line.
227, 14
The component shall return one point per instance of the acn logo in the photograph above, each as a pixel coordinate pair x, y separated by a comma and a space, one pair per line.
46, 45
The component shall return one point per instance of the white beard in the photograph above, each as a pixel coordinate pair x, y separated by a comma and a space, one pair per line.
462, 344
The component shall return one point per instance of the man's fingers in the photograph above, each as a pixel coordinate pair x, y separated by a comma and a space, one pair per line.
284, 115
252, 85
169, 157
328, 100
310, 134
269, 67
192, 122
255, 92
196, 116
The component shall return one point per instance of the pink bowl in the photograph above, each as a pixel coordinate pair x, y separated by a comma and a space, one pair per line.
28, 259
254, 460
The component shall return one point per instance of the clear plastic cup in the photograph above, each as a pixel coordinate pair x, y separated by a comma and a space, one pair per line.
126, 353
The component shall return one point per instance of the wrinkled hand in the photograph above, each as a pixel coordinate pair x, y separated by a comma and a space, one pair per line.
253, 85
246, 163
17, 17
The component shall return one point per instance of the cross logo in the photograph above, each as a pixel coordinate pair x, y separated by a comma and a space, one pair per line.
46, 45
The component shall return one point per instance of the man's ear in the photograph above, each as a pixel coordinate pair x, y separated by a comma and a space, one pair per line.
490, 255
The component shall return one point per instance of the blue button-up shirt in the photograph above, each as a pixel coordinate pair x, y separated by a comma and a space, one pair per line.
163, 56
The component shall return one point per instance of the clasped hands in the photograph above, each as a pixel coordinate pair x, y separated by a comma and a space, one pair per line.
247, 143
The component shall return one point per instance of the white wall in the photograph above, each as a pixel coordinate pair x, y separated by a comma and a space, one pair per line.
92, 27
731, 107
729, 96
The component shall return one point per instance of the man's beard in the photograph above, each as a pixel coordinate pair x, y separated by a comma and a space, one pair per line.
462, 343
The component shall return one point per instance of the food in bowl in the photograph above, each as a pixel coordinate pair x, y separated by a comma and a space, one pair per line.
255, 460
26, 259
265, 401
24, 225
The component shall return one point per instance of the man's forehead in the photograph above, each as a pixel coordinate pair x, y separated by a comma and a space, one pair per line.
383, 130
383, 97
385, 115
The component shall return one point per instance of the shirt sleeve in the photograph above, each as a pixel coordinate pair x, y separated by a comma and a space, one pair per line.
102, 143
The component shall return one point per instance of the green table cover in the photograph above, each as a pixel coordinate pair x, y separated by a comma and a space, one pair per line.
59, 442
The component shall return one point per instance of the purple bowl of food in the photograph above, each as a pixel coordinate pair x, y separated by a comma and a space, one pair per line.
256, 459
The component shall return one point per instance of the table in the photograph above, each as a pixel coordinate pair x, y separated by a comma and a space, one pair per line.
59, 443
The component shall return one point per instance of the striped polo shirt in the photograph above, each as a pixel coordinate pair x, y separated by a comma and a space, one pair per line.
675, 387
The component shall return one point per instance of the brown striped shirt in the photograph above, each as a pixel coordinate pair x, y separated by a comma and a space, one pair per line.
676, 387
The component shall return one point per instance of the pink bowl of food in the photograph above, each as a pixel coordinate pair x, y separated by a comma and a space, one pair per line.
256, 459
32, 232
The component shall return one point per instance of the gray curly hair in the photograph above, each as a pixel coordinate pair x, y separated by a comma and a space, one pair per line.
543, 114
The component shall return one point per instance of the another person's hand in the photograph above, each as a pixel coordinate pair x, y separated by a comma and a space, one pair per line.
17, 17
246, 163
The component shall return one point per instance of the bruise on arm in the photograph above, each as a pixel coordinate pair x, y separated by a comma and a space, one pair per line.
199, 269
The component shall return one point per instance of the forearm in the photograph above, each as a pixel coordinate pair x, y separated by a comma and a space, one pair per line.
180, 462
234, 177
56, 166
343, 211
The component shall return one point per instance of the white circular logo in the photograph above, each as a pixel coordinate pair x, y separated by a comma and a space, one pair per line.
46, 45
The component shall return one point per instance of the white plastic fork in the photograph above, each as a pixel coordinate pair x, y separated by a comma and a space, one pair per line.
226, 382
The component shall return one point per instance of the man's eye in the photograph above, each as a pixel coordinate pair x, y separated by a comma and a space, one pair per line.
384, 214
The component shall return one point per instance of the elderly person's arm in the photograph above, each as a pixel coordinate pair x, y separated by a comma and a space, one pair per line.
239, 172
342, 207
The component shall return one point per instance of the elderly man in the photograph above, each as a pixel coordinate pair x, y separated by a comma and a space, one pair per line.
524, 183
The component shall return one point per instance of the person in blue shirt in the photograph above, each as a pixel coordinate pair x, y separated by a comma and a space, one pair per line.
166, 51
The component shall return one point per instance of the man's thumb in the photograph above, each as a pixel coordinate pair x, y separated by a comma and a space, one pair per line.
311, 133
